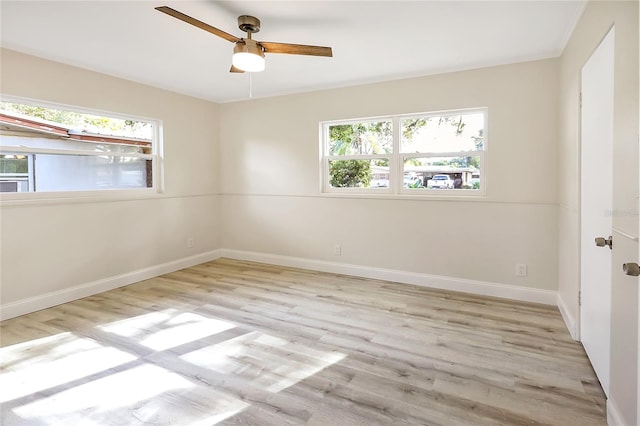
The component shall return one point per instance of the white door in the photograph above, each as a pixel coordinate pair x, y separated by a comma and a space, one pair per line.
596, 206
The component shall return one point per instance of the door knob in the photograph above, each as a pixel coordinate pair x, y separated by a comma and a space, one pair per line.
601, 242
632, 269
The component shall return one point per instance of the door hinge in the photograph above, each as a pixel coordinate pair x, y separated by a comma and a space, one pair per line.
580, 298
580, 99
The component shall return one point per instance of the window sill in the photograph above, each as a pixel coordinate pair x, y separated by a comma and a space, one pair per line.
76, 197
434, 195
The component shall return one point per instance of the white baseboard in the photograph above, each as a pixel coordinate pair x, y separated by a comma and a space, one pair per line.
547, 297
32, 304
569, 320
614, 418
25, 306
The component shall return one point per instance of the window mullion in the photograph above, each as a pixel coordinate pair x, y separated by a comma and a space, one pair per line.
395, 171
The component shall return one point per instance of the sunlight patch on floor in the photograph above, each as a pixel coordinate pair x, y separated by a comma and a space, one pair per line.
122, 389
18, 352
31, 367
131, 327
68, 379
146, 394
183, 329
167, 329
270, 363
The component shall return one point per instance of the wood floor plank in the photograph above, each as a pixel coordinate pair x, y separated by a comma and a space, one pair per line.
233, 342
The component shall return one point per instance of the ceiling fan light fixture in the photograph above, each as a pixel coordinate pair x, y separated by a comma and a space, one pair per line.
248, 56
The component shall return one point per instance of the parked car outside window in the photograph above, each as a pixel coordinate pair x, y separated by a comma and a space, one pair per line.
440, 182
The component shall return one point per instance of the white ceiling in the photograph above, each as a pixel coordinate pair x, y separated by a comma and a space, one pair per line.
371, 40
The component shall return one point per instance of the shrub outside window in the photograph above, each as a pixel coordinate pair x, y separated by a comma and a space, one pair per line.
428, 153
359, 153
57, 150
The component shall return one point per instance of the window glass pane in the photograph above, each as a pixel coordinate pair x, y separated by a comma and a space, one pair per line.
80, 122
49, 149
88, 172
442, 172
359, 173
361, 138
446, 133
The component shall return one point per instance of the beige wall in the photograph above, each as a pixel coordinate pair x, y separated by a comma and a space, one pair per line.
53, 247
596, 21
277, 208
272, 202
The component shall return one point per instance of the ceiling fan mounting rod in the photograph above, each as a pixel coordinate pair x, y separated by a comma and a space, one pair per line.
249, 24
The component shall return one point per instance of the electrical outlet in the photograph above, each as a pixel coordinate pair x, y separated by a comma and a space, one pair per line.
521, 270
337, 250
190, 242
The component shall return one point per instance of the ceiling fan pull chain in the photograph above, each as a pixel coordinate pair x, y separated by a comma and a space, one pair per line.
250, 86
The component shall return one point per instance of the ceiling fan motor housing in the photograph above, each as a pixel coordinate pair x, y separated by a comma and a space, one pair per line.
249, 24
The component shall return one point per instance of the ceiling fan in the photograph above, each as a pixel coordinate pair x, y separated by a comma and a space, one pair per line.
248, 54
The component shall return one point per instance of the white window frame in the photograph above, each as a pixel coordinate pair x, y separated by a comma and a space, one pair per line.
397, 158
326, 158
156, 158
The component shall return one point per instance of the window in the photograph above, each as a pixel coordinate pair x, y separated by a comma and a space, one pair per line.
55, 149
430, 153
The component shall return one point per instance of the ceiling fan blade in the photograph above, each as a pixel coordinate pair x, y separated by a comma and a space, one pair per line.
295, 49
189, 20
234, 69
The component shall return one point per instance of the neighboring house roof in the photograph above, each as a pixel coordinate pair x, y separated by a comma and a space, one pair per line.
19, 123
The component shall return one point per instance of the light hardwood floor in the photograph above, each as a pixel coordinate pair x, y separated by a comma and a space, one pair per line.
241, 343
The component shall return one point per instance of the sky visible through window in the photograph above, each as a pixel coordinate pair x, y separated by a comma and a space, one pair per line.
445, 135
